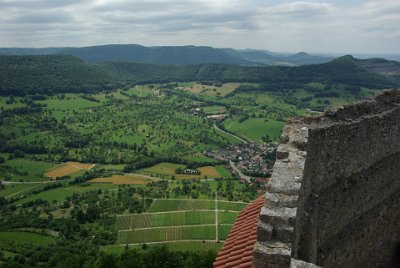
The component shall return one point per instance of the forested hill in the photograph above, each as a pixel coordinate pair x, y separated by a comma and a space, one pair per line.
21, 75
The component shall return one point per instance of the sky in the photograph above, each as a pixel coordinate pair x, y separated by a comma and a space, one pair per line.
340, 26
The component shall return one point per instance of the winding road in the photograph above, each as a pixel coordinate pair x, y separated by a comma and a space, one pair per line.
241, 175
230, 134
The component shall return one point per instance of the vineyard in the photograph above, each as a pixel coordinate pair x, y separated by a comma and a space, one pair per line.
177, 221
173, 233
148, 220
198, 204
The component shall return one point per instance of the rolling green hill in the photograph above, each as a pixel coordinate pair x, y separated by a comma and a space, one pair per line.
44, 74
21, 75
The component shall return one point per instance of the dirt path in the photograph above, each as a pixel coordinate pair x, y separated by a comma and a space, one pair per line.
216, 216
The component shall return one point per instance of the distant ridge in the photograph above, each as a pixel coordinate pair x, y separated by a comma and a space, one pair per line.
173, 55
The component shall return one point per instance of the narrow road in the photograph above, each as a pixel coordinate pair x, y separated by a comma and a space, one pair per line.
241, 175
167, 241
141, 92
145, 176
176, 211
230, 134
216, 215
169, 226
27, 182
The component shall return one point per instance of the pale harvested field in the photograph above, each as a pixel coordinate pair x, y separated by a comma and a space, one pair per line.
211, 90
124, 179
67, 168
168, 169
209, 171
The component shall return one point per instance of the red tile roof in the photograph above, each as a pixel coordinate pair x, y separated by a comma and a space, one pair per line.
237, 250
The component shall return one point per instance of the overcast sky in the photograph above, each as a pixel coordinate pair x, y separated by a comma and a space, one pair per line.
342, 26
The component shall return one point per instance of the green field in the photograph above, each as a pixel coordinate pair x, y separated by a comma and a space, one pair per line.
227, 217
14, 189
59, 194
256, 128
214, 109
226, 205
26, 170
223, 231
223, 172
21, 241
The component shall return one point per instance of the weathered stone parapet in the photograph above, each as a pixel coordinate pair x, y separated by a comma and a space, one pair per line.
278, 217
333, 198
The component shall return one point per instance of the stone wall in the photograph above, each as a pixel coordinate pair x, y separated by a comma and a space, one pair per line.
334, 196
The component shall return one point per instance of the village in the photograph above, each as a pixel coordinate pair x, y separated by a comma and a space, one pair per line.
247, 160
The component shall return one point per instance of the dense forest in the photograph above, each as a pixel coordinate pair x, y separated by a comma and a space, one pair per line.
22, 75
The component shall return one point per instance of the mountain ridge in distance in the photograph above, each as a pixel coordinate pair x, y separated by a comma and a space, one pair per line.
173, 55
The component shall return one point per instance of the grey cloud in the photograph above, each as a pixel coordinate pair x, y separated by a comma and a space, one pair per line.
272, 24
300, 9
41, 18
42, 4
